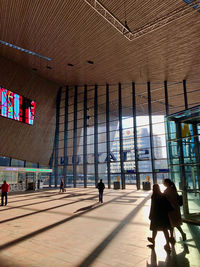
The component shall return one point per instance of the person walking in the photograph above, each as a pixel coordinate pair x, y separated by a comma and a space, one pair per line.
4, 192
158, 216
61, 185
175, 214
101, 187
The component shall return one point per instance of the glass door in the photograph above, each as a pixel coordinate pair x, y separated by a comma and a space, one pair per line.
130, 179
22, 185
183, 136
192, 187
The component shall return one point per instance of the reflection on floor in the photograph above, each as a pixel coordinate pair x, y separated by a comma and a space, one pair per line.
72, 229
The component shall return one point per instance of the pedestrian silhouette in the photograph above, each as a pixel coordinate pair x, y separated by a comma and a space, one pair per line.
175, 214
62, 189
101, 187
4, 193
160, 207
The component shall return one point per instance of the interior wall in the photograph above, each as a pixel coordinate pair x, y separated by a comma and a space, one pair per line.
18, 140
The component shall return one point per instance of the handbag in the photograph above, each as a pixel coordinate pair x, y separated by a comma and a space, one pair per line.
180, 200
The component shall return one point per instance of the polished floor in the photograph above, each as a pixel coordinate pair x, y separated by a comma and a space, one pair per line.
72, 229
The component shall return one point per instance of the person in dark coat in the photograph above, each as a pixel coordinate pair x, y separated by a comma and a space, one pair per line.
160, 207
175, 214
61, 185
101, 187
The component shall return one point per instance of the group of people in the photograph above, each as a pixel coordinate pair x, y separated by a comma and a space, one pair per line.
165, 214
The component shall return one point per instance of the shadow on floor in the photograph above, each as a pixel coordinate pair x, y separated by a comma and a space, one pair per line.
51, 226
69, 194
50, 200
195, 232
46, 191
51, 208
172, 259
44, 194
99, 249
87, 207
4, 262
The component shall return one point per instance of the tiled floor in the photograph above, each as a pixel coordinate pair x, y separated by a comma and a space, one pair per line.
72, 229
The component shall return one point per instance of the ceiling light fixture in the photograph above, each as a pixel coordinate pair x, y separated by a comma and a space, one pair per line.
132, 35
24, 50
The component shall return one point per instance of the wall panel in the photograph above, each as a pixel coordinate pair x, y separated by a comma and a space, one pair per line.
21, 141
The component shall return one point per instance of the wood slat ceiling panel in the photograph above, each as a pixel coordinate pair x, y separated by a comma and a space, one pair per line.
193, 98
157, 95
158, 108
192, 86
176, 100
18, 140
72, 32
175, 90
176, 108
139, 13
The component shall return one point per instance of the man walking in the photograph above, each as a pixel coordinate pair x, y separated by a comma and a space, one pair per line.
101, 187
4, 192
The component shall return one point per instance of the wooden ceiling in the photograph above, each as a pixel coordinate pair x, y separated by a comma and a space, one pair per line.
71, 32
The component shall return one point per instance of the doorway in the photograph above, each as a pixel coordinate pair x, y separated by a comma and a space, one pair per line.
183, 140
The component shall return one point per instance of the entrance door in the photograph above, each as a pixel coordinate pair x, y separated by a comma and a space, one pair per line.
30, 180
184, 158
191, 150
22, 185
130, 179
192, 187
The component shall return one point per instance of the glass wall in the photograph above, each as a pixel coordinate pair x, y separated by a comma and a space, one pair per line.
116, 132
113, 132
184, 154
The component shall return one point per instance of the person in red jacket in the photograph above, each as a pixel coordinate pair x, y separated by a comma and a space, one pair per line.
4, 193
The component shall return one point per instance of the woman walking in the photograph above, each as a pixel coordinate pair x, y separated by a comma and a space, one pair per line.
175, 214
160, 207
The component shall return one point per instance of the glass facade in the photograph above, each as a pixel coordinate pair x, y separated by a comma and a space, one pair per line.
183, 134
118, 132
110, 132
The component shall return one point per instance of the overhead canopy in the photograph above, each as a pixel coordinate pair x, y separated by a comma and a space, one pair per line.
72, 32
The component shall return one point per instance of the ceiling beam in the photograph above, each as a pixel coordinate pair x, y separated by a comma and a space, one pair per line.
124, 29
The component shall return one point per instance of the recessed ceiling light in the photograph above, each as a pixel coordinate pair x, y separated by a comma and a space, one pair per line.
71, 65
90, 62
24, 50
48, 67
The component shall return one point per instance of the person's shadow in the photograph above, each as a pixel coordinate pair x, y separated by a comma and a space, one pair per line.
172, 259
87, 207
